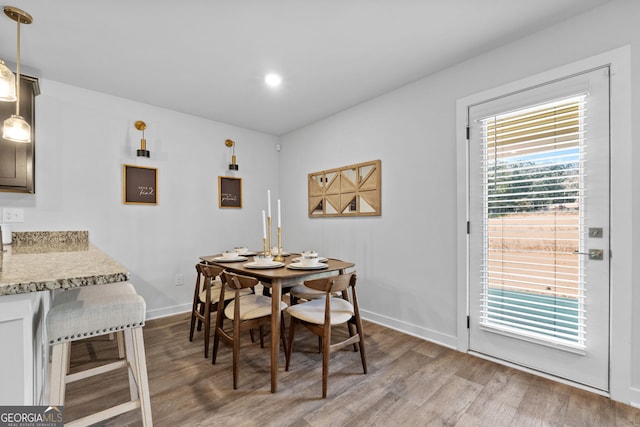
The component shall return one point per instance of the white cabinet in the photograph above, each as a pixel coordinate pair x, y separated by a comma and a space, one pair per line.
24, 351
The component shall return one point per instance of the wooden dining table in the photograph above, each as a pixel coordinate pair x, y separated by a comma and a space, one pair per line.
278, 279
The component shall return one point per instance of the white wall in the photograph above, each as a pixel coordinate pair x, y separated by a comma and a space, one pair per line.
82, 140
413, 131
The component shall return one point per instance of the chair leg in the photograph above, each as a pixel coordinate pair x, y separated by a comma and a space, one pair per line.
141, 375
326, 342
361, 344
292, 327
201, 314
236, 354
121, 347
207, 329
132, 360
58, 372
216, 342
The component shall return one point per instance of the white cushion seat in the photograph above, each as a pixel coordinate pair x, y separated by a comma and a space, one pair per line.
313, 311
100, 312
251, 306
302, 291
92, 292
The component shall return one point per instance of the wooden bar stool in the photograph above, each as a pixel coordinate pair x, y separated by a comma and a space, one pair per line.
100, 310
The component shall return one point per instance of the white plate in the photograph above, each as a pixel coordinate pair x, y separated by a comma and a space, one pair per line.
261, 266
251, 253
320, 259
236, 259
298, 266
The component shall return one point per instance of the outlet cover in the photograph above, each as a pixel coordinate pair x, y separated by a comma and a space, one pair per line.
10, 215
179, 281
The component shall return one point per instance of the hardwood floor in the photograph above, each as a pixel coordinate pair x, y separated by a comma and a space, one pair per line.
410, 382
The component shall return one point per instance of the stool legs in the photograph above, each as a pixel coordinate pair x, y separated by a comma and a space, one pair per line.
57, 384
141, 375
138, 380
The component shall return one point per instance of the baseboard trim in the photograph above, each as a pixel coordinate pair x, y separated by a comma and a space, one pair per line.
445, 340
168, 311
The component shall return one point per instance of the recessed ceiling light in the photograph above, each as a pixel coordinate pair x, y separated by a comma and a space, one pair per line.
273, 80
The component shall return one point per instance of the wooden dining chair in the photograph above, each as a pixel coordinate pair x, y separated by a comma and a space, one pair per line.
319, 315
205, 300
246, 312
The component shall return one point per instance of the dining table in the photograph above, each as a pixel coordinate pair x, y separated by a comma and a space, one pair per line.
278, 276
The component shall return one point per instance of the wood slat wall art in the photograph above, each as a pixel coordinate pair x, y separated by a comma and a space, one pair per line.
353, 190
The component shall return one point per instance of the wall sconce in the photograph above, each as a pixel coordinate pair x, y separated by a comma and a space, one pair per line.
233, 166
16, 128
142, 152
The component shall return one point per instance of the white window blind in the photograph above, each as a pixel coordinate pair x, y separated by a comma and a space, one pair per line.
532, 279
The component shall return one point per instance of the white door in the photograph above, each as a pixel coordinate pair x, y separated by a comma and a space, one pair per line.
539, 228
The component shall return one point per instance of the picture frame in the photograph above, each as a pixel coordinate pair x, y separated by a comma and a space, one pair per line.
229, 192
139, 185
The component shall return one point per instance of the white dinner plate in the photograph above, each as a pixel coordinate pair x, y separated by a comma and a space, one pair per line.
320, 259
248, 253
257, 266
236, 259
298, 266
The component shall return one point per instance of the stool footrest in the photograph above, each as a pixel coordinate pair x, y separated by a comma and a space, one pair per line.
96, 371
103, 415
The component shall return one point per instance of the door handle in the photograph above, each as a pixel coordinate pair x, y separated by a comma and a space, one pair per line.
593, 254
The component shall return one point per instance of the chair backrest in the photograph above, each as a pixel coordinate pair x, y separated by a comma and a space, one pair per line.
332, 284
209, 272
237, 281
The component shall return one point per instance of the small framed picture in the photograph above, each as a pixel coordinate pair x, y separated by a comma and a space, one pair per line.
229, 192
139, 185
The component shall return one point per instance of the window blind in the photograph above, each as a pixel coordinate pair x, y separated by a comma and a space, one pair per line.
532, 278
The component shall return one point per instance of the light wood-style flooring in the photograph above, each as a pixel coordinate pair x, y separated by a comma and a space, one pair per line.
410, 382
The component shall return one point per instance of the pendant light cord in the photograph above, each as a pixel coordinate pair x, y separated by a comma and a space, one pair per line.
18, 69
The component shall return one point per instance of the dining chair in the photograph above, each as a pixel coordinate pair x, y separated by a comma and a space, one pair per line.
205, 300
246, 312
321, 314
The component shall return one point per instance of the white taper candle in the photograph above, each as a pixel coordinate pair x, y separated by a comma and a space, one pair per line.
279, 213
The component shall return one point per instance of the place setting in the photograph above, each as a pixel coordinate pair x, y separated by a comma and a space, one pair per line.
264, 262
230, 256
309, 260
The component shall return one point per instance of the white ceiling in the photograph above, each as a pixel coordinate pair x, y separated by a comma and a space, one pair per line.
208, 57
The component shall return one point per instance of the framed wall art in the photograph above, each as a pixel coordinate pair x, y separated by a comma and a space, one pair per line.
139, 185
229, 192
353, 190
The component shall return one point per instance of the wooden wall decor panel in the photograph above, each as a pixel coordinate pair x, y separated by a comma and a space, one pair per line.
353, 190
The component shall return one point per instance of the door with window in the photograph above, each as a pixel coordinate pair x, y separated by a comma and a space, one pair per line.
539, 228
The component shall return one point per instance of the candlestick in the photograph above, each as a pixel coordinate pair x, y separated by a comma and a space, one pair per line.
264, 226
264, 246
269, 203
279, 224
279, 257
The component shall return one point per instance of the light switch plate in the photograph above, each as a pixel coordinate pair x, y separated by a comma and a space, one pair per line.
12, 215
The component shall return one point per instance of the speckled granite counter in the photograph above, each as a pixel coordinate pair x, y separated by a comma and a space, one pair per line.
40, 261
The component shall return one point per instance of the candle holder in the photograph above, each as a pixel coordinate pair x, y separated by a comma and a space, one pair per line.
279, 257
264, 246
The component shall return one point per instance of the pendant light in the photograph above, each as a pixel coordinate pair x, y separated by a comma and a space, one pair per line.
7, 84
16, 127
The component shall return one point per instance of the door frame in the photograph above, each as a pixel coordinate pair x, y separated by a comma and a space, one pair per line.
620, 343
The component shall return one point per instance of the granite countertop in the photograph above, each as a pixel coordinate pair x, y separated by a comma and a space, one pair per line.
40, 261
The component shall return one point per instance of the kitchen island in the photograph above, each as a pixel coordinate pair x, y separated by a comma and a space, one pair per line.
36, 264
